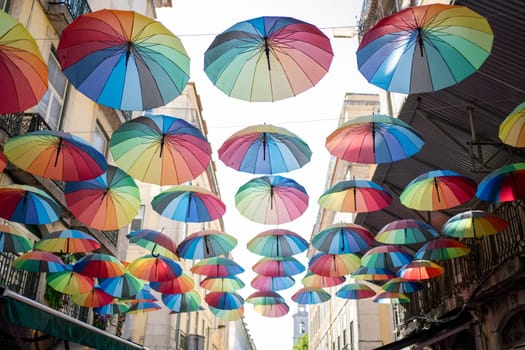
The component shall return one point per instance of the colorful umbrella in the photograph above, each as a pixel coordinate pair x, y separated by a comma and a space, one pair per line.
143, 295
123, 286
424, 48
385, 257
474, 224
268, 58
182, 284
67, 242
70, 282
391, 298
273, 283
356, 196
308, 295
12, 241
143, 306
56, 155
206, 244
94, 298
437, 190
123, 60
278, 267
504, 184
36, 261
23, 71
99, 265
399, 285
227, 315
265, 297
374, 139
264, 149
373, 274
406, 231
334, 265
28, 205
155, 268
154, 241
3, 161
277, 243
317, 281
222, 284
224, 300
343, 239
182, 302
355, 291
217, 267
273, 310
188, 203
111, 309
512, 129
271, 200
418, 270
160, 149
441, 249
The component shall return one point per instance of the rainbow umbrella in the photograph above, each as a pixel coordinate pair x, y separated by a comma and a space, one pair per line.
143, 295
56, 155
356, 196
277, 243
188, 203
96, 297
391, 298
217, 267
23, 71
441, 249
278, 267
224, 300
385, 257
273, 283
418, 270
123, 60
227, 315
182, 302
355, 291
271, 200
12, 241
264, 149
265, 297
70, 282
28, 205
399, 285
155, 268
111, 309
512, 128
222, 284
309, 295
123, 286
343, 239
206, 244
182, 284
311, 279
272, 310
99, 265
437, 190
334, 265
424, 48
155, 241
143, 306
473, 224
67, 242
37, 261
406, 231
268, 58
373, 274
160, 149
374, 139
504, 184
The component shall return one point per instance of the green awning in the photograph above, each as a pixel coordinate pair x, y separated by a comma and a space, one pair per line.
30, 314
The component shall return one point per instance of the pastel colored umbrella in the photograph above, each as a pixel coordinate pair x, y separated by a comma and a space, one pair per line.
424, 48
56, 155
123, 286
264, 149
182, 302
271, 200
268, 58
391, 298
37, 261
222, 284
13, 241
67, 242
224, 300
155, 268
512, 128
273, 283
155, 241
217, 267
373, 274
188, 203
334, 265
70, 282
28, 205
143, 306
386, 257
273, 310
399, 285
278, 267
143, 295
160, 149
343, 239
108, 202
355, 291
473, 224
277, 243
206, 244
441, 249
355, 196
111, 309
182, 284
438, 190
99, 265
374, 139
123, 60
265, 297
308, 296
311, 279
406, 231
94, 298
504, 184
227, 315
418, 270
23, 70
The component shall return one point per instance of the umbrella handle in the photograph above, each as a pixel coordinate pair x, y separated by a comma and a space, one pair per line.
267, 52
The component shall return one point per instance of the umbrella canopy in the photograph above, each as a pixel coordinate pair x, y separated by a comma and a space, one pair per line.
99, 265
373, 274
277, 243
264, 149
503, 184
182, 284
343, 239
374, 139
308, 296
355, 291
512, 128
67, 242
406, 231
182, 302
108, 202
70, 282
3, 161
160, 149
399, 285
473, 224
112, 309
271, 200
143, 306
317, 281
273, 283
23, 71
123, 60
424, 48
96, 297
385, 257
418, 270
217, 267
272, 310
334, 265
143, 295
28, 205
441, 249
155, 268
355, 196
227, 315
36, 261
265, 297
206, 244
438, 190
56, 155
224, 300
123, 286
12, 241
278, 267
391, 298
188, 203
155, 241
268, 58
222, 284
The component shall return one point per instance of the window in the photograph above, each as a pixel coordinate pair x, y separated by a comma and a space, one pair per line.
302, 328
136, 223
352, 335
4, 5
100, 140
50, 106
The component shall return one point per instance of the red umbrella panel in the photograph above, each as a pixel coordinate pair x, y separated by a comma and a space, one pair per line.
355, 196
504, 184
99, 265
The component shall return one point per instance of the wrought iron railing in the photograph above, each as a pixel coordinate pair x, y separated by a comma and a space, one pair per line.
19, 281
16, 124
112, 236
76, 8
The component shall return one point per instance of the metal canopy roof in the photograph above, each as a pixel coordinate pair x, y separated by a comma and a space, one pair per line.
460, 124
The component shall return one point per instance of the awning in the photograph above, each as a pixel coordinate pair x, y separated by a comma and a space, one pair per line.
28, 313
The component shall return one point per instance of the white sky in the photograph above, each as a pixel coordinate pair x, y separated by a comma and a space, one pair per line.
312, 115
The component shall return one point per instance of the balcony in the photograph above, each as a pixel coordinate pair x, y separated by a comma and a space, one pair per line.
63, 12
21, 123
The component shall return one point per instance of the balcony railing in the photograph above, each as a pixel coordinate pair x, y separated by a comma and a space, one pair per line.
19, 281
76, 8
21, 123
